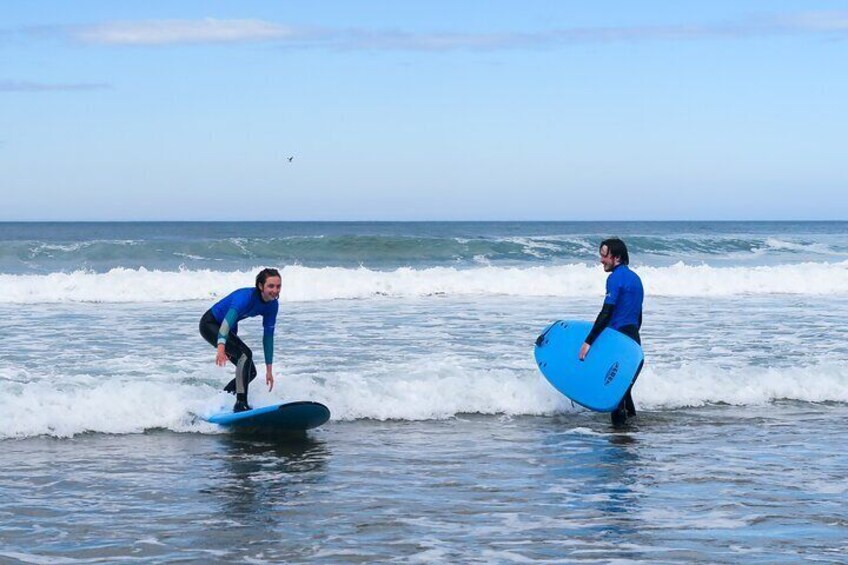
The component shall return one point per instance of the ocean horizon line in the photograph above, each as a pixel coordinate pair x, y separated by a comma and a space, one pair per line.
431, 221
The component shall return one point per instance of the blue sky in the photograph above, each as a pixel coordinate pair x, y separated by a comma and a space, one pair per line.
446, 110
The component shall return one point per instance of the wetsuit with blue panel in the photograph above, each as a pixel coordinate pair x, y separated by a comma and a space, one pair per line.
220, 325
622, 311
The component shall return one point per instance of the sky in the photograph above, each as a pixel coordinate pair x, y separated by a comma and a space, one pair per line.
436, 110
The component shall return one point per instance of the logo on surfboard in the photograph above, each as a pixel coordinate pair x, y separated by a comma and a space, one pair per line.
611, 373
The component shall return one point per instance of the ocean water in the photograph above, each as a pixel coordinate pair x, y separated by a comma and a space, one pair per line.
445, 445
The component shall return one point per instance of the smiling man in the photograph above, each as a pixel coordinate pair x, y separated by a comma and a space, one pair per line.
219, 326
622, 311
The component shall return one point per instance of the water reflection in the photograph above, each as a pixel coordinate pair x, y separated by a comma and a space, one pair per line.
594, 479
264, 476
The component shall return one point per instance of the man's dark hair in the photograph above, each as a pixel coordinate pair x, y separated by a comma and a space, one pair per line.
616, 248
263, 276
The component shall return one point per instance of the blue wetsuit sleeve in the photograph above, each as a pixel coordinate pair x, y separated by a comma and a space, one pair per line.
268, 347
269, 322
227, 323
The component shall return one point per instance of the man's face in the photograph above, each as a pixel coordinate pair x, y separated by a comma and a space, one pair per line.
271, 289
608, 261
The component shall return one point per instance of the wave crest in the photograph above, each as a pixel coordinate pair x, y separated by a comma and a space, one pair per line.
441, 388
300, 283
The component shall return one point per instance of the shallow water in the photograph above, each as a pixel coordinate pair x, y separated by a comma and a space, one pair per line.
708, 485
126, 368
445, 444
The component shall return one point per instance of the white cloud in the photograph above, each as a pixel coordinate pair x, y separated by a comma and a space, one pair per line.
817, 21
210, 30
168, 32
24, 86
813, 23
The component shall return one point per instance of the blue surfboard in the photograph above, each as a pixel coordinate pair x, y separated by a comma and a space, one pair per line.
288, 417
600, 381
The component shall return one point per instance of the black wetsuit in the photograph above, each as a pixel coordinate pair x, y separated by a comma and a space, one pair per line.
627, 402
237, 352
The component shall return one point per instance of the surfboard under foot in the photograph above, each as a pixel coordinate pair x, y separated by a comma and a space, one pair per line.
288, 417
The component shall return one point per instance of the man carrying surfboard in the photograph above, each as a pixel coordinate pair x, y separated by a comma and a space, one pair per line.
219, 326
622, 311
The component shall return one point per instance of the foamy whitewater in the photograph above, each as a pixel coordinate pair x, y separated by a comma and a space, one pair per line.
735, 313
419, 337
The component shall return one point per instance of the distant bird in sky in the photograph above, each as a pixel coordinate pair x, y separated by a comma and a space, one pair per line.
290, 158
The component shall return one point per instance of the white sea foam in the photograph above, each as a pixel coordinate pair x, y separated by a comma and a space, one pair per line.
109, 406
545, 246
440, 388
702, 384
328, 283
775, 244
